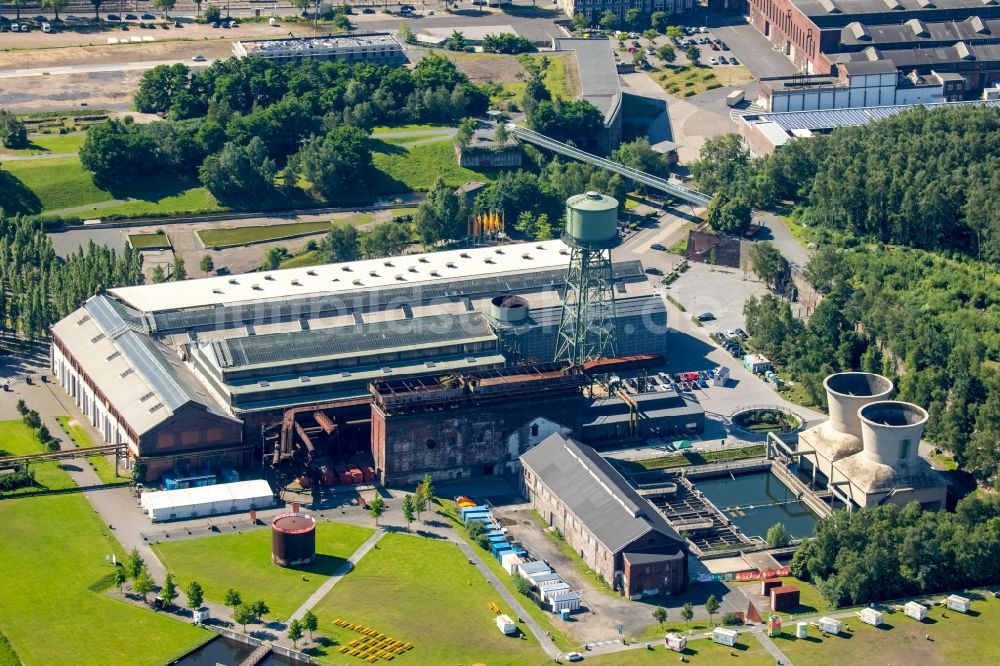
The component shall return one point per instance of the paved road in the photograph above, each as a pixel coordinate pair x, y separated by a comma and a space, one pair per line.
778, 233
750, 47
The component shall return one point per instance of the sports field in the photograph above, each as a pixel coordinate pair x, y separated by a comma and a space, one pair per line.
243, 562
425, 592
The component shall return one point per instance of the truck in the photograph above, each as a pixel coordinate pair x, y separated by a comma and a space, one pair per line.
734, 98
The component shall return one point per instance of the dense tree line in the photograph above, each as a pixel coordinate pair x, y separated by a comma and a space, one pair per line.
12, 131
508, 43
889, 552
930, 323
37, 288
251, 129
923, 178
577, 121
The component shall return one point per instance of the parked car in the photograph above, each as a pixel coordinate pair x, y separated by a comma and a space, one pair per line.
367, 10
723, 60
722, 45
657, 246
198, 58
215, 24
114, 17
706, 316
653, 271
148, 17
177, 24
574, 656
713, 61
715, 47
733, 60
46, 26
703, 30
131, 17
743, 334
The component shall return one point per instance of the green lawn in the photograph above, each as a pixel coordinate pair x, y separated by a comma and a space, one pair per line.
747, 652
391, 129
60, 182
243, 562
104, 468
17, 439
305, 259
53, 609
191, 200
229, 236
691, 458
148, 241
810, 599
955, 639
544, 618
416, 168
39, 144
425, 592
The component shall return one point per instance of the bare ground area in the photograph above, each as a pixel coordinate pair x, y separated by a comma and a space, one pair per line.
100, 90
488, 68
98, 53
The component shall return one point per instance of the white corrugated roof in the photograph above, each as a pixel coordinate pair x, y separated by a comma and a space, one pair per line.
346, 277
190, 497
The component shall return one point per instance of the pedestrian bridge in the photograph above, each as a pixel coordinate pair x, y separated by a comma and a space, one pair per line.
692, 197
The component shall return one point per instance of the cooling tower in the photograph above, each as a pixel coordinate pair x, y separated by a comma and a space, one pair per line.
847, 392
891, 433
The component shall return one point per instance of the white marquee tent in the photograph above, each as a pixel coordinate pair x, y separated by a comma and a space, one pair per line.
207, 500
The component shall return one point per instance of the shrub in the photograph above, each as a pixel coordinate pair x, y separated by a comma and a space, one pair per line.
19, 479
689, 93
732, 619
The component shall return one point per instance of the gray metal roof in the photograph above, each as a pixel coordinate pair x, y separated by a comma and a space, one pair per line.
595, 492
599, 81
831, 118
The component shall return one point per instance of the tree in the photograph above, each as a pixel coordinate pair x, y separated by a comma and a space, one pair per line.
54, 6
409, 512
419, 502
674, 31
13, 133
777, 537
522, 584
660, 615
161, 86
273, 257
158, 275
687, 611
120, 578
243, 615
438, 216
387, 239
406, 34
650, 35
232, 598
501, 135
213, 13
337, 164
633, 18
207, 264
456, 42
667, 53
693, 54
295, 633
341, 244
376, 508
302, 5
427, 488
259, 609
134, 564
729, 215
824, 267
608, 20
143, 583
197, 5
711, 606
17, 4
506, 43
195, 595
238, 174
659, 21
169, 590
767, 262
164, 6
310, 622
466, 129
180, 272
581, 21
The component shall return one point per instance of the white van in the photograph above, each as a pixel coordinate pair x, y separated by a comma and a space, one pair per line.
46, 27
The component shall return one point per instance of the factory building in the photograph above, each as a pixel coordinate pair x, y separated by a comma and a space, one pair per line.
616, 531
204, 367
594, 9
868, 450
378, 47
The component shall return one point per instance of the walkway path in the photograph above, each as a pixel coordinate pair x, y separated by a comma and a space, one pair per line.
769, 645
36, 156
344, 569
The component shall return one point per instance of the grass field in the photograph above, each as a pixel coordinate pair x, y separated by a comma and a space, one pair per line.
810, 599
691, 458
102, 466
416, 168
60, 182
304, 259
392, 129
189, 200
686, 81
425, 592
17, 439
955, 639
148, 241
748, 652
53, 610
243, 562
40, 144
228, 236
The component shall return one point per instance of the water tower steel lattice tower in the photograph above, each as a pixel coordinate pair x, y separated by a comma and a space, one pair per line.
587, 327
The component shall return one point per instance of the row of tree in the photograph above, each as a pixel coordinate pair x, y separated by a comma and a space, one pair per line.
889, 552
924, 178
929, 323
37, 288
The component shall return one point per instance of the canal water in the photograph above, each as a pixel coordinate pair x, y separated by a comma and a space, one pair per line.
756, 501
228, 652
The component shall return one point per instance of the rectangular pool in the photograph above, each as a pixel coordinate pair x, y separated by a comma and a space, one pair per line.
756, 501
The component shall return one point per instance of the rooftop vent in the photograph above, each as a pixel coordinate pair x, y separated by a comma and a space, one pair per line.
373, 273
451, 264
539, 247
304, 380
978, 25
233, 281
269, 278
412, 269
216, 291
335, 280
424, 260
964, 52
311, 272
386, 371
564, 251
470, 359
435, 274
356, 282
155, 407
430, 364
389, 264
296, 283
830, 6
918, 28
97, 338
83, 320
346, 269
257, 287
127, 372
499, 251
893, 4
113, 356
859, 31
991, 3
146, 397
345, 373
526, 256
263, 383
465, 255
926, 4
401, 278
488, 260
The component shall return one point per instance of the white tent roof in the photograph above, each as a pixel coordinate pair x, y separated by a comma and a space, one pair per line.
163, 500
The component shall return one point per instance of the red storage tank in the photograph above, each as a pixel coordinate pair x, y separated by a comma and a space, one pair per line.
293, 539
357, 476
345, 477
369, 474
327, 476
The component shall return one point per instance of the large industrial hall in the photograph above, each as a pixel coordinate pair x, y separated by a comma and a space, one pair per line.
198, 373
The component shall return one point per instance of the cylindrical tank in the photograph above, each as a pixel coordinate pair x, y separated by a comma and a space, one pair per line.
592, 220
802, 630
293, 539
509, 309
847, 392
891, 432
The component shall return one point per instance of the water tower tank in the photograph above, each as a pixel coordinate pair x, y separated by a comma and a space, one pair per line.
293, 539
509, 309
847, 392
891, 432
592, 220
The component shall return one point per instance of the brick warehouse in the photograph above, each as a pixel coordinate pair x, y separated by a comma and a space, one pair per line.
617, 532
